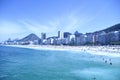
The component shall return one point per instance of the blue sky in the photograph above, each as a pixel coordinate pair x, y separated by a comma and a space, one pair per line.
19, 18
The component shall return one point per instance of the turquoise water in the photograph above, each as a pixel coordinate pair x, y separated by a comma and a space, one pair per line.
29, 64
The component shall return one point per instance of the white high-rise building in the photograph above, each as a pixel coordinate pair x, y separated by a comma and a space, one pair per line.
60, 35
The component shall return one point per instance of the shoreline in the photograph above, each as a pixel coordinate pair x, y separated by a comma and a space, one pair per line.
113, 51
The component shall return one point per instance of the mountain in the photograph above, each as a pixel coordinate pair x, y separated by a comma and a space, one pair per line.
30, 37
112, 28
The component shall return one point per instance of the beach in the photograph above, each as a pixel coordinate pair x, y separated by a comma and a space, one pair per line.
113, 51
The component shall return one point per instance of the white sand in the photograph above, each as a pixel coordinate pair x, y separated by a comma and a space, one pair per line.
113, 51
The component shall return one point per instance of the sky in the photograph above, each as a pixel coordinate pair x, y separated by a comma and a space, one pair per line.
18, 18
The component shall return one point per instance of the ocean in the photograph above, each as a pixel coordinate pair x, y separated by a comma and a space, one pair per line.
30, 64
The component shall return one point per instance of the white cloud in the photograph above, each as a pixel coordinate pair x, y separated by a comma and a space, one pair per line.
67, 22
7, 27
36, 27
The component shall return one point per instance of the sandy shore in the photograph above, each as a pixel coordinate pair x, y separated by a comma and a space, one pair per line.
113, 51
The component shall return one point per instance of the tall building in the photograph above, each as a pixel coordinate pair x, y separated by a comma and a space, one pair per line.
58, 34
66, 34
43, 36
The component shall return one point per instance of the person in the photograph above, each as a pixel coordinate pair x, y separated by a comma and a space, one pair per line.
110, 63
105, 61
94, 78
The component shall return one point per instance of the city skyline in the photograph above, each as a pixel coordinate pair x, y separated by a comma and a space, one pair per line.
22, 17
